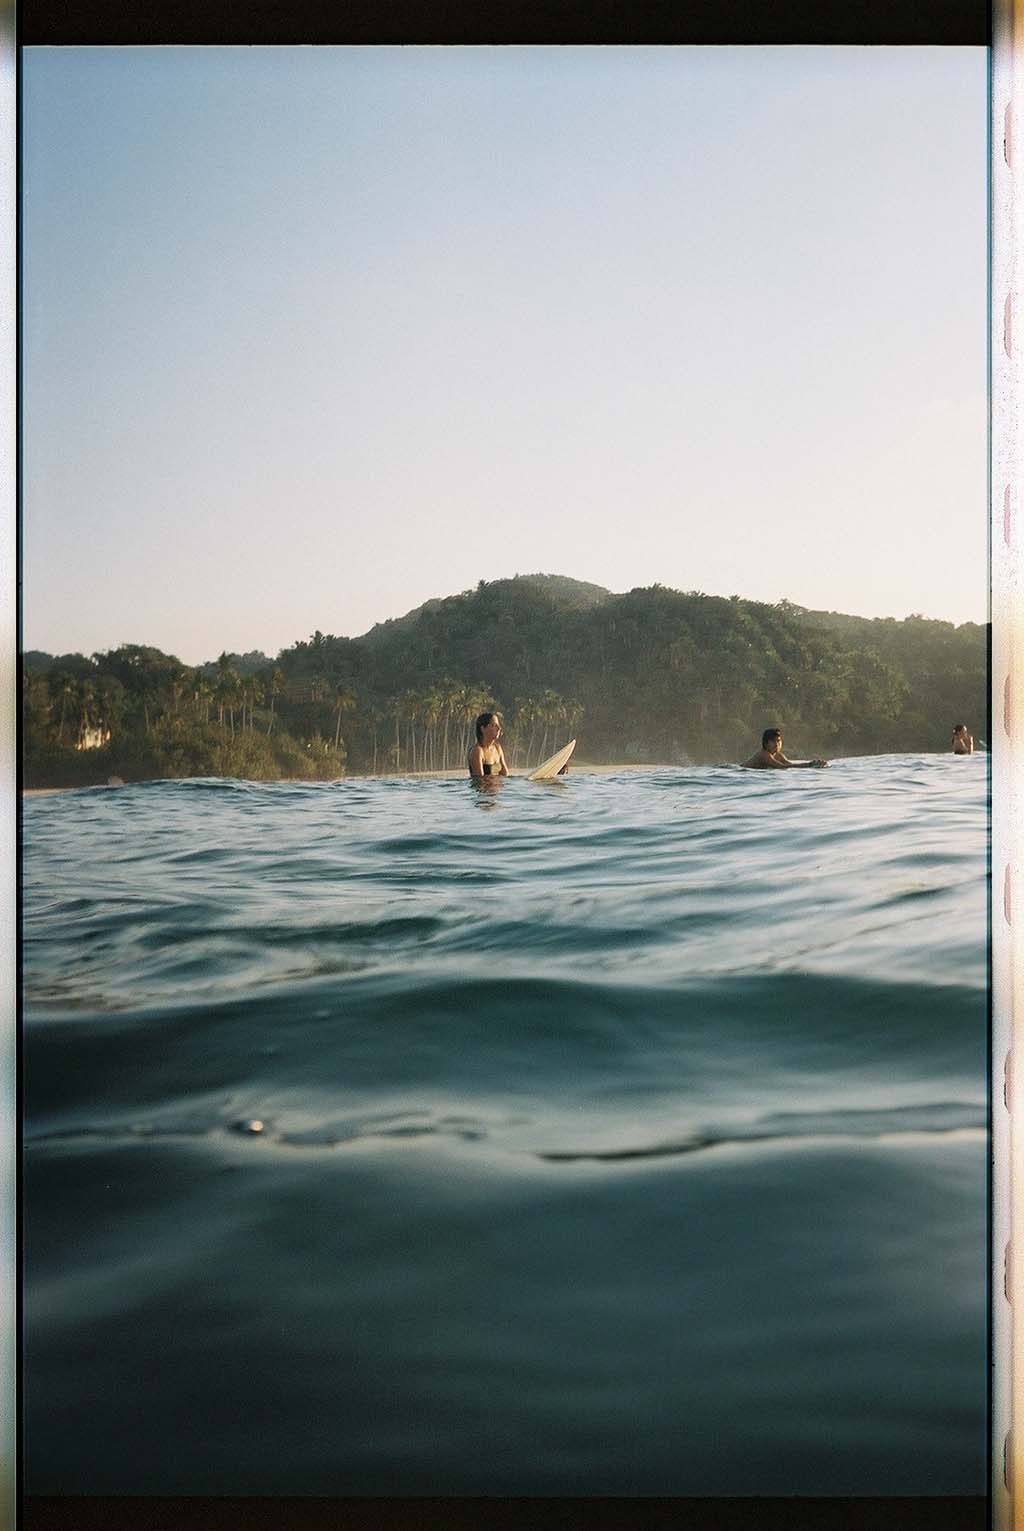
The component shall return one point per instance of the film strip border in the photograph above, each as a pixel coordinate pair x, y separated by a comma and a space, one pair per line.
1006, 739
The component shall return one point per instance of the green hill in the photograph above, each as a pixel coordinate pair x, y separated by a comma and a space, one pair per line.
568, 594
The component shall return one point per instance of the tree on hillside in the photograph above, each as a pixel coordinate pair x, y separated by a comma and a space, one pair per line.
273, 686
343, 701
226, 690
86, 708
111, 702
202, 696
37, 707
68, 698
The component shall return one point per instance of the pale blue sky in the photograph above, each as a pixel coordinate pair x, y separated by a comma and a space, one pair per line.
314, 334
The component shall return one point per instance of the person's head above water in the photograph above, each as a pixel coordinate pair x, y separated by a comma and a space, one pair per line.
488, 721
771, 738
959, 728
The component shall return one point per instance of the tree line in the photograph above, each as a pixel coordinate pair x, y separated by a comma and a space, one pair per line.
655, 675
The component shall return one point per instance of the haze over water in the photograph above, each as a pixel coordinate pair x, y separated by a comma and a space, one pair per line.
619, 1135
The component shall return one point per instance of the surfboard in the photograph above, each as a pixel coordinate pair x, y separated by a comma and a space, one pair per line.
550, 768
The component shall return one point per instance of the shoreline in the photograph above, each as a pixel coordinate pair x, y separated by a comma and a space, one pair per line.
582, 767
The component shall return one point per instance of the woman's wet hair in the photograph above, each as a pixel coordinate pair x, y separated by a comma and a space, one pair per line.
769, 735
482, 722
958, 726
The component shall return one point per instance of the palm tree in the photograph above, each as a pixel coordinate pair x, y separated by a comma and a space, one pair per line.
573, 714
395, 710
412, 706
111, 701
517, 722
318, 673
451, 695
37, 705
273, 683
202, 696
431, 706
344, 701
253, 693
528, 712
226, 690
86, 706
176, 691
475, 700
552, 711
462, 712
373, 718
68, 693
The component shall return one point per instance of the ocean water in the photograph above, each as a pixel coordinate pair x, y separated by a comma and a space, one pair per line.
623, 1135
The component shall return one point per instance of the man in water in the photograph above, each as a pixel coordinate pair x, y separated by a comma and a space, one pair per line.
770, 757
963, 742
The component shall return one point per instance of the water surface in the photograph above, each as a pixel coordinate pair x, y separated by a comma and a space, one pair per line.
618, 1135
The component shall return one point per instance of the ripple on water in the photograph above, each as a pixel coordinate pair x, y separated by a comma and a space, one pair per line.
538, 1140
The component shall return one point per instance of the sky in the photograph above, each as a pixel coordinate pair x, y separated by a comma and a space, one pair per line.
311, 335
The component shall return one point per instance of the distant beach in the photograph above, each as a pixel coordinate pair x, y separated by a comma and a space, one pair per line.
577, 768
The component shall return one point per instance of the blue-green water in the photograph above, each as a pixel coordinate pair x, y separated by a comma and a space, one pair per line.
620, 1135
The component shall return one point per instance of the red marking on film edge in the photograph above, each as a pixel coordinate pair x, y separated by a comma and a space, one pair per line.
1006, 706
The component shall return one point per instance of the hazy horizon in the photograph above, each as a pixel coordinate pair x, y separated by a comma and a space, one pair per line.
314, 335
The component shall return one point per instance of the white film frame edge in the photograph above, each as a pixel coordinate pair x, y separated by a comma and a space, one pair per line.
9, 806
1006, 745
1006, 893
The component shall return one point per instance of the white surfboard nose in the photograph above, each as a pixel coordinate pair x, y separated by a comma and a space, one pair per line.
549, 768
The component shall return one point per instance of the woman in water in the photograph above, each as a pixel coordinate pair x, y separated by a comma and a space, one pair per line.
487, 758
963, 742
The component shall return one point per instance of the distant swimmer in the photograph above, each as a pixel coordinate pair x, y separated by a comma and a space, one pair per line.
963, 742
770, 757
487, 758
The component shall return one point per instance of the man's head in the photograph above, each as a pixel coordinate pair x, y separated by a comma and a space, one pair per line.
771, 739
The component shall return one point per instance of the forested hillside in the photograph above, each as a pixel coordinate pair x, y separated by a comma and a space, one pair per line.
654, 675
